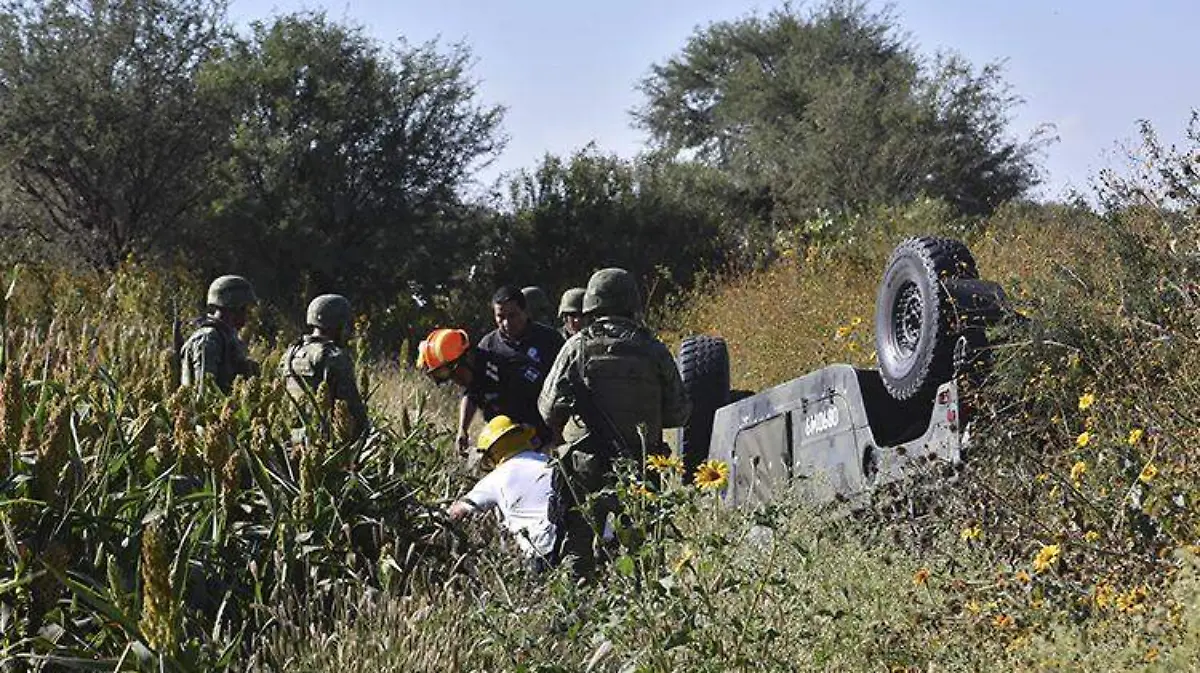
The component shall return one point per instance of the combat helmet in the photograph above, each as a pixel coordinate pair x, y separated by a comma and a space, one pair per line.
537, 303
611, 291
329, 311
231, 292
571, 302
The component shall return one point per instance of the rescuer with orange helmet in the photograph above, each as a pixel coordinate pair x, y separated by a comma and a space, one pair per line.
492, 384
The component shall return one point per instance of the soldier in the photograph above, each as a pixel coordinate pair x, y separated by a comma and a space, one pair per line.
492, 383
214, 349
570, 312
612, 390
537, 304
321, 357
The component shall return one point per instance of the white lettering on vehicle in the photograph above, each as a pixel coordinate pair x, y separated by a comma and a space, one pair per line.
823, 420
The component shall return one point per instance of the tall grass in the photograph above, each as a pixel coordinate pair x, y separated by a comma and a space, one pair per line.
148, 525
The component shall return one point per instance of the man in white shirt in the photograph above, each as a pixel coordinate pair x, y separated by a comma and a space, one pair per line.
519, 486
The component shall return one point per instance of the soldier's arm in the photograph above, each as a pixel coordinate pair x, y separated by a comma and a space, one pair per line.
557, 399
676, 407
211, 354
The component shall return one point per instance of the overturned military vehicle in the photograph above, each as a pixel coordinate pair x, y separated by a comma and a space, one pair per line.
840, 432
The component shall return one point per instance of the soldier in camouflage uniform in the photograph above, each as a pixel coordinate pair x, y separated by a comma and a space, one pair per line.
611, 391
570, 312
320, 357
537, 304
214, 349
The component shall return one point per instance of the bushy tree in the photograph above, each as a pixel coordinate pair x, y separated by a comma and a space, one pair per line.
107, 129
567, 217
834, 110
348, 162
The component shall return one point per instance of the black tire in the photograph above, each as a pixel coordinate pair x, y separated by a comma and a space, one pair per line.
704, 367
915, 327
957, 258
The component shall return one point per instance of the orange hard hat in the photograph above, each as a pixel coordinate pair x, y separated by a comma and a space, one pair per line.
442, 347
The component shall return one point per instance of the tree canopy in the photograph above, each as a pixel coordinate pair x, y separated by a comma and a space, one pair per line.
834, 110
663, 221
348, 161
107, 128
311, 157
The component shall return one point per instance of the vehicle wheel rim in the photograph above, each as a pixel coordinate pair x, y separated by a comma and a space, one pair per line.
906, 318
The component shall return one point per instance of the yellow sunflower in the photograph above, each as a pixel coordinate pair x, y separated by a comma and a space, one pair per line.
1077, 471
664, 464
1047, 557
640, 491
1149, 472
712, 475
1086, 400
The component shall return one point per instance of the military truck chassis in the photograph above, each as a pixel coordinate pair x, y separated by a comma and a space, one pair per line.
841, 432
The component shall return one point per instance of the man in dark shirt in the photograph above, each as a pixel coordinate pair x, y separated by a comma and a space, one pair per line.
517, 336
492, 384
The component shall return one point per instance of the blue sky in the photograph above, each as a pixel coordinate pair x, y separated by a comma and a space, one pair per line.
566, 71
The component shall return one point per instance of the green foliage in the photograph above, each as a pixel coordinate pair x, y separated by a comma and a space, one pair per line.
833, 110
664, 222
306, 156
148, 525
107, 129
348, 162
1070, 532
785, 588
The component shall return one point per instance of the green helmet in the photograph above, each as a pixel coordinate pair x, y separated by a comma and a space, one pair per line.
537, 304
231, 292
611, 292
330, 311
571, 302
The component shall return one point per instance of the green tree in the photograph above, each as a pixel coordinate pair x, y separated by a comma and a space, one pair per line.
107, 129
663, 221
349, 162
834, 110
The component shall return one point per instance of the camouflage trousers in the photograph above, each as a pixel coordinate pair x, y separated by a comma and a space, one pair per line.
584, 498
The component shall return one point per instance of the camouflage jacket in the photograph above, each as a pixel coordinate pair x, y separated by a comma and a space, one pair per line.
214, 349
629, 375
314, 360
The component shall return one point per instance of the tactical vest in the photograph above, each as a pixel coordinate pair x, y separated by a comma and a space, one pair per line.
305, 364
191, 354
620, 372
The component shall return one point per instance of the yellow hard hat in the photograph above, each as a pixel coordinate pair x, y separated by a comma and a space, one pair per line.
502, 437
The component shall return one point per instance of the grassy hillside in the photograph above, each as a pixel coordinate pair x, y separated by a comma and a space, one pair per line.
815, 304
